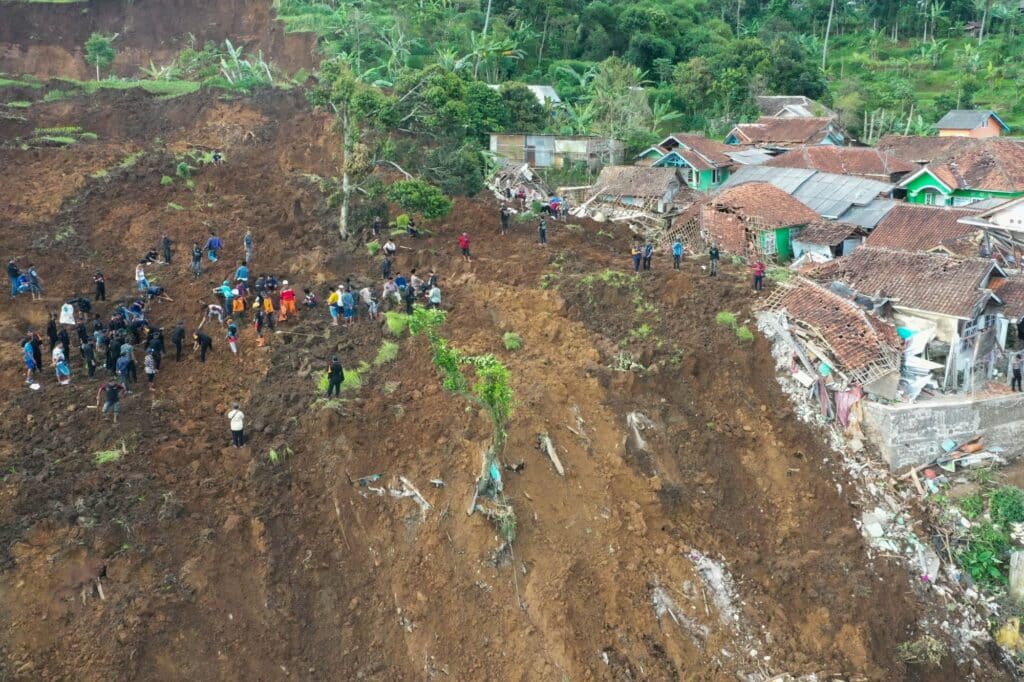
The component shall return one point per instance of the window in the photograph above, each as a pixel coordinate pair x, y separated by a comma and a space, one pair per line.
933, 197
691, 175
716, 176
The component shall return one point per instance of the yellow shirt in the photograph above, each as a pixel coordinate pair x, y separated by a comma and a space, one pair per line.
333, 298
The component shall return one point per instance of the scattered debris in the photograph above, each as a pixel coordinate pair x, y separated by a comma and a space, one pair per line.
638, 422
510, 178
548, 447
437, 482
664, 605
367, 480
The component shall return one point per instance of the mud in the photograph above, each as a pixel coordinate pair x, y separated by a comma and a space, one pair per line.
47, 39
188, 558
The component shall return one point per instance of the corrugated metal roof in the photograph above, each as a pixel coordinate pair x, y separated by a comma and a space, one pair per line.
869, 216
750, 157
831, 196
967, 119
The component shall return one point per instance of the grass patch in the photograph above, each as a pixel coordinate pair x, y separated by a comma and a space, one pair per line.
175, 207
56, 139
166, 180
388, 352
512, 341
780, 274
19, 104
15, 83
57, 95
726, 319
373, 248
744, 334
396, 322
354, 377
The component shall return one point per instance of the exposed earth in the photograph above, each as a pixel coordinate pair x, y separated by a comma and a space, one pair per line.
698, 532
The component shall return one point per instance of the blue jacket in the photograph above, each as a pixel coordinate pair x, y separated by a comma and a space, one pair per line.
677, 249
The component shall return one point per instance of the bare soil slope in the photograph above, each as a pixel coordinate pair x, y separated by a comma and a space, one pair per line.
708, 542
46, 39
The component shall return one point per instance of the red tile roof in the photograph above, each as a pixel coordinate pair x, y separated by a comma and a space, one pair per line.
909, 227
857, 339
862, 161
1011, 293
698, 151
792, 131
927, 282
636, 181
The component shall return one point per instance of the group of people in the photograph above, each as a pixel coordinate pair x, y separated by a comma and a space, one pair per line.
642, 254
25, 281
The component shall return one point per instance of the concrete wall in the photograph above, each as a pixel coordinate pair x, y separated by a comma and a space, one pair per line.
910, 435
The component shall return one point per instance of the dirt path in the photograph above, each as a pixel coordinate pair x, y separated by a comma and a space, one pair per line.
698, 532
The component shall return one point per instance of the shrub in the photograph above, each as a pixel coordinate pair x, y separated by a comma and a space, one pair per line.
166, 180
387, 352
354, 377
373, 248
972, 506
986, 550
512, 341
107, 456
726, 318
396, 322
744, 334
1007, 505
421, 197
641, 332
184, 170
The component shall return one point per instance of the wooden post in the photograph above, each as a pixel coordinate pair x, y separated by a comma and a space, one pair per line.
1017, 576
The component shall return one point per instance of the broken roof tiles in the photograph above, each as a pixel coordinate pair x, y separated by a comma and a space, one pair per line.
927, 282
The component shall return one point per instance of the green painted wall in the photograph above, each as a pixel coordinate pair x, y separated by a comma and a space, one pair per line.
916, 192
783, 242
705, 178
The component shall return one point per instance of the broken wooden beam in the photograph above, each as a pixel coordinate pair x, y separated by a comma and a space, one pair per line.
549, 449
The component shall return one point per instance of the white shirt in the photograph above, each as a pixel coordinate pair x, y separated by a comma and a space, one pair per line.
140, 274
237, 420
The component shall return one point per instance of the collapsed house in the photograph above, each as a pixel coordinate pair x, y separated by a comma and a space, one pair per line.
636, 193
833, 341
755, 220
948, 309
1003, 228
510, 178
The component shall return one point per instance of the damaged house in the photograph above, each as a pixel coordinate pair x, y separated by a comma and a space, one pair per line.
779, 134
755, 220
824, 240
958, 171
833, 338
632, 190
1003, 227
947, 307
792, 106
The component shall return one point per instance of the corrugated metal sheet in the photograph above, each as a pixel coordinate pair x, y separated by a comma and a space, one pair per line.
749, 157
837, 197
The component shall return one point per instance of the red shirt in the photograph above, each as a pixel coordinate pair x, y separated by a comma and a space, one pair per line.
464, 241
759, 268
288, 295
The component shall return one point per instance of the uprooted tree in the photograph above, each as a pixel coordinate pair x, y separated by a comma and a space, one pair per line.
491, 390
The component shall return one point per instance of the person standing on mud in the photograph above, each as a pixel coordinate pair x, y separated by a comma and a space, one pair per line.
36, 344
213, 246
389, 249
51, 331
61, 367
111, 394
197, 260
1018, 364
287, 301
677, 253
232, 336
249, 243
236, 420
177, 338
464, 246
758, 269
377, 227
714, 256
140, 277
637, 255
335, 376
149, 366
410, 299
506, 218
165, 245
203, 343
30, 362
35, 282
101, 286
89, 356
648, 254
542, 233
385, 267
14, 272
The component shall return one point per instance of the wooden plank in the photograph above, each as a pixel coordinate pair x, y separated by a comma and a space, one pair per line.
549, 448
